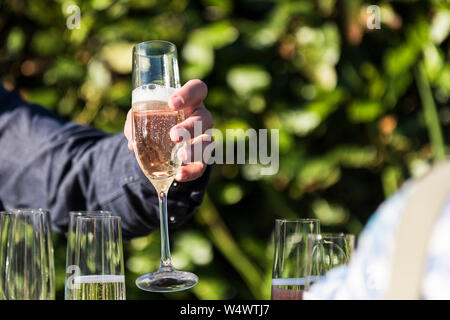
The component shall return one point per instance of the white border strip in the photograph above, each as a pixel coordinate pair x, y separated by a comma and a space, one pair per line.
294, 281
99, 278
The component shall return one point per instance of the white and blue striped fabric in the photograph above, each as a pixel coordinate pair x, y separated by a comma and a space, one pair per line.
367, 275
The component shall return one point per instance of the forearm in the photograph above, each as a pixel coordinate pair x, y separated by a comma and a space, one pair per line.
49, 163
122, 188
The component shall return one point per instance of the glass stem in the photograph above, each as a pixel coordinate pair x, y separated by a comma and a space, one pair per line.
166, 261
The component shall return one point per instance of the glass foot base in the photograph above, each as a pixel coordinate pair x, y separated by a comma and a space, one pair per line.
169, 281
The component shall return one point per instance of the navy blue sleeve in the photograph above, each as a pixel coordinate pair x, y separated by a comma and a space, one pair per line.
47, 162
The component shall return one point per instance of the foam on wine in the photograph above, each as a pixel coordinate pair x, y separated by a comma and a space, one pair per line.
151, 92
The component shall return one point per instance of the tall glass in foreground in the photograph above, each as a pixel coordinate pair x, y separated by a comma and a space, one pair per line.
155, 78
71, 268
290, 263
325, 252
5, 222
29, 270
98, 270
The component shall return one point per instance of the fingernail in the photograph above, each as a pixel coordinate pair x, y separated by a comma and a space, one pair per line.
182, 155
179, 134
177, 102
175, 134
178, 176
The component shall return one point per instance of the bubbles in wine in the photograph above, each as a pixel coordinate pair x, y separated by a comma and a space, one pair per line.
152, 121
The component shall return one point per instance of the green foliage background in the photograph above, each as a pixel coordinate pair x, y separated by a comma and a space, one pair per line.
359, 110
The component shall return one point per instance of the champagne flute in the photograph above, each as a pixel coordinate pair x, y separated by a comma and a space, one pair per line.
5, 222
97, 259
30, 272
327, 251
290, 262
155, 78
71, 268
337, 249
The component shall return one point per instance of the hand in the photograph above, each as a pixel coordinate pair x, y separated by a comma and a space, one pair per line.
188, 98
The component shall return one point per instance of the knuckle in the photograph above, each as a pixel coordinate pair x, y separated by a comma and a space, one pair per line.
200, 85
186, 174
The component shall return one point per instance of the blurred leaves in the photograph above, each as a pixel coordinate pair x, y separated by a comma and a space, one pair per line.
300, 122
269, 32
364, 111
232, 193
192, 248
47, 42
15, 41
118, 56
329, 214
63, 69
248, 79
318, 53
358, 111
199, 49
44, 96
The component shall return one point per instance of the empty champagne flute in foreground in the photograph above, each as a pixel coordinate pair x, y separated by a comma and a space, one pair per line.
5, 222
30, 271
337, 249
155, 78
325, 252
71, 268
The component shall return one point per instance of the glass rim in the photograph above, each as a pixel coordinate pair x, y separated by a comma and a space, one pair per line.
170, 46
98, 217
334, 235
331, 236
94, 213
298, 220
28, 211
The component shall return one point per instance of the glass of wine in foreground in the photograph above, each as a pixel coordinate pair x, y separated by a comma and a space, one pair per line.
155, 78
326, 251
290, 262
29, 267
71, 268
5, 222
98, 269
335, 250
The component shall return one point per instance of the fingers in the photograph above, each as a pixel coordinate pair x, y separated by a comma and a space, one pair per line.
191, 172
200, 150
196, 155
195, 125
189, 96
127, 130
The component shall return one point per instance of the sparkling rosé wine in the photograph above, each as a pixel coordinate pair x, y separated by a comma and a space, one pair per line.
278, 293
288, 289
152, 121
